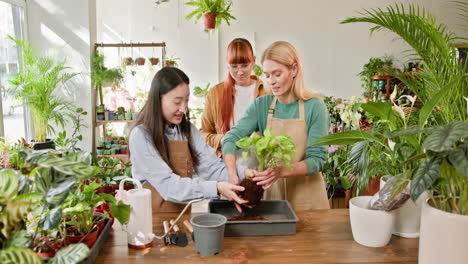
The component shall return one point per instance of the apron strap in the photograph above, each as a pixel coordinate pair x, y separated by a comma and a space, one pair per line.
301, 109
271, 111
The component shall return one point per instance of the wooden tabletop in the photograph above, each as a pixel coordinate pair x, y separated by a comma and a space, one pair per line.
323, 236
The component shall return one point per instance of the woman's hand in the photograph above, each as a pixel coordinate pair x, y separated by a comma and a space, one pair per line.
267, 178
229, 191
234, 179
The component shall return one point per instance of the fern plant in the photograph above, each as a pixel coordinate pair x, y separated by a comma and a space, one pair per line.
222, 9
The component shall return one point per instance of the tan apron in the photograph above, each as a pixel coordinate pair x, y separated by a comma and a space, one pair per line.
305, 192
181, 162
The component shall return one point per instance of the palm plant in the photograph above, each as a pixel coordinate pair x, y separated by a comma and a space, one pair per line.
222, 9
36, 84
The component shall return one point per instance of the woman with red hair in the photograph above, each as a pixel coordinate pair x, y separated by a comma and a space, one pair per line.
227, 101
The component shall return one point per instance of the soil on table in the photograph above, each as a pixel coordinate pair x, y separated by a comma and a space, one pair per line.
252, 193
247, 217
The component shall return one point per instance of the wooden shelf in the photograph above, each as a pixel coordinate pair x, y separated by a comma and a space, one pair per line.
114, 121
382, 77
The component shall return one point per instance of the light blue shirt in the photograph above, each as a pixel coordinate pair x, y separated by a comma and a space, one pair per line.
148, 165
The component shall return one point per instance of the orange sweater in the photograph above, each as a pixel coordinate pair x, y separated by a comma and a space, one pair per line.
211, 122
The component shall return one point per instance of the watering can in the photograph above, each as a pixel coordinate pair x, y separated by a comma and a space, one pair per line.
140, 224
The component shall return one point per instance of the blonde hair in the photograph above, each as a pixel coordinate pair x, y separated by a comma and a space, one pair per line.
284, 53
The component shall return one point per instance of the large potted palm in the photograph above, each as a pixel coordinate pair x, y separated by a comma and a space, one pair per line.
440, 166
37, 85
214, 12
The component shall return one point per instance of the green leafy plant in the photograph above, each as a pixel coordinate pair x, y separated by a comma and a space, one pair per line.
172, 61
375, 66
36, 84
201, 92
221, 8
258, 70
100, 74
271, 150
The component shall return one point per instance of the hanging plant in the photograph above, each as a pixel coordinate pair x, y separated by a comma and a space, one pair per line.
140, 61
154, 61
212, 11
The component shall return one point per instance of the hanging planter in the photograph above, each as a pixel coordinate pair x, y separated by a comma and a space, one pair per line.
140, 61
128, 61
154, 61
213, 12
209, 20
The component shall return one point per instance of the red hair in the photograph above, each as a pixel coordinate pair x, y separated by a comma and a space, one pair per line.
239, 52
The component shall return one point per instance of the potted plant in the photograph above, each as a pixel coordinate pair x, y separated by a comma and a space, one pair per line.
140, 61
101, 75
154, 61
375, 66
214, 12
271, 151
127, 61
121, 113
172, 61
36, 85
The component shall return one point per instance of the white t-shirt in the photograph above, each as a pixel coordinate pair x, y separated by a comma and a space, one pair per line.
245, 96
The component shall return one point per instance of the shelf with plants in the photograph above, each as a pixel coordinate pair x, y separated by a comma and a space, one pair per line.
117, 94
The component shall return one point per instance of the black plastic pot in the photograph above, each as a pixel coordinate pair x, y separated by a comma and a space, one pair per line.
49, 144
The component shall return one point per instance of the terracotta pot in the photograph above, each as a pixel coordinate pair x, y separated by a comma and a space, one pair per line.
154, 61
209, 20
140, 61
88, 239
101, 209
46, 254
348, 196
373, 187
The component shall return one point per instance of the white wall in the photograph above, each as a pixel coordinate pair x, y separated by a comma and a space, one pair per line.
332, 54
61, 28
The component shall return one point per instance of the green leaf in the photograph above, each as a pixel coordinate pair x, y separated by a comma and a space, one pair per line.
346, 138
445, 137
8, 185
53, 219
15, 255
244, 143
402, 182
267, 133
382, 110
17, 239
245, 155
72, 254
345, 183
429, 106
459, 159
121, 212
425, 177
59, 191
262, 144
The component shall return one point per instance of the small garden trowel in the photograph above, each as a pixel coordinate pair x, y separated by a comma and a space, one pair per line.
179, 238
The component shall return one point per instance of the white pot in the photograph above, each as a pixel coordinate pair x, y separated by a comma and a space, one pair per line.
444, 237
408, 216
371, 228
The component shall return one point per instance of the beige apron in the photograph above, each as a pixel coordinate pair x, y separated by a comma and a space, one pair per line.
181, 162
306, 192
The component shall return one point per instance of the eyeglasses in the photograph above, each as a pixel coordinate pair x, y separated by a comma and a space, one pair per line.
236, 67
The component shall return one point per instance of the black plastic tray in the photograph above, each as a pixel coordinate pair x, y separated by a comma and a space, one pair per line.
94, 251
279, 215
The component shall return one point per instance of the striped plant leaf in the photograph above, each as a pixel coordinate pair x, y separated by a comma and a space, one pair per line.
444, 138
459, 159
72, 254
8, 185
425, 177
15, 255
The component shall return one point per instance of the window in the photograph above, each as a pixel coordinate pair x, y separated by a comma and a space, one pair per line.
12, 116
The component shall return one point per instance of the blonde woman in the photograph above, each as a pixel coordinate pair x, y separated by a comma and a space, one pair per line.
292, 110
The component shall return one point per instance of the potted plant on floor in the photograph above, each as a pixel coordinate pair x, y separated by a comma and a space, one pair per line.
36, 85
214, 12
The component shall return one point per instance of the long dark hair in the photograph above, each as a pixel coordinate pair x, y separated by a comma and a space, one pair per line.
239, 51
151, 115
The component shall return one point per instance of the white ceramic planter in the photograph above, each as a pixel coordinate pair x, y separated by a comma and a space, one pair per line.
444, 237
371, 228
408, 216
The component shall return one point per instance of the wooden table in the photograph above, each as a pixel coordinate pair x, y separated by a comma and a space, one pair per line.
323, 236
